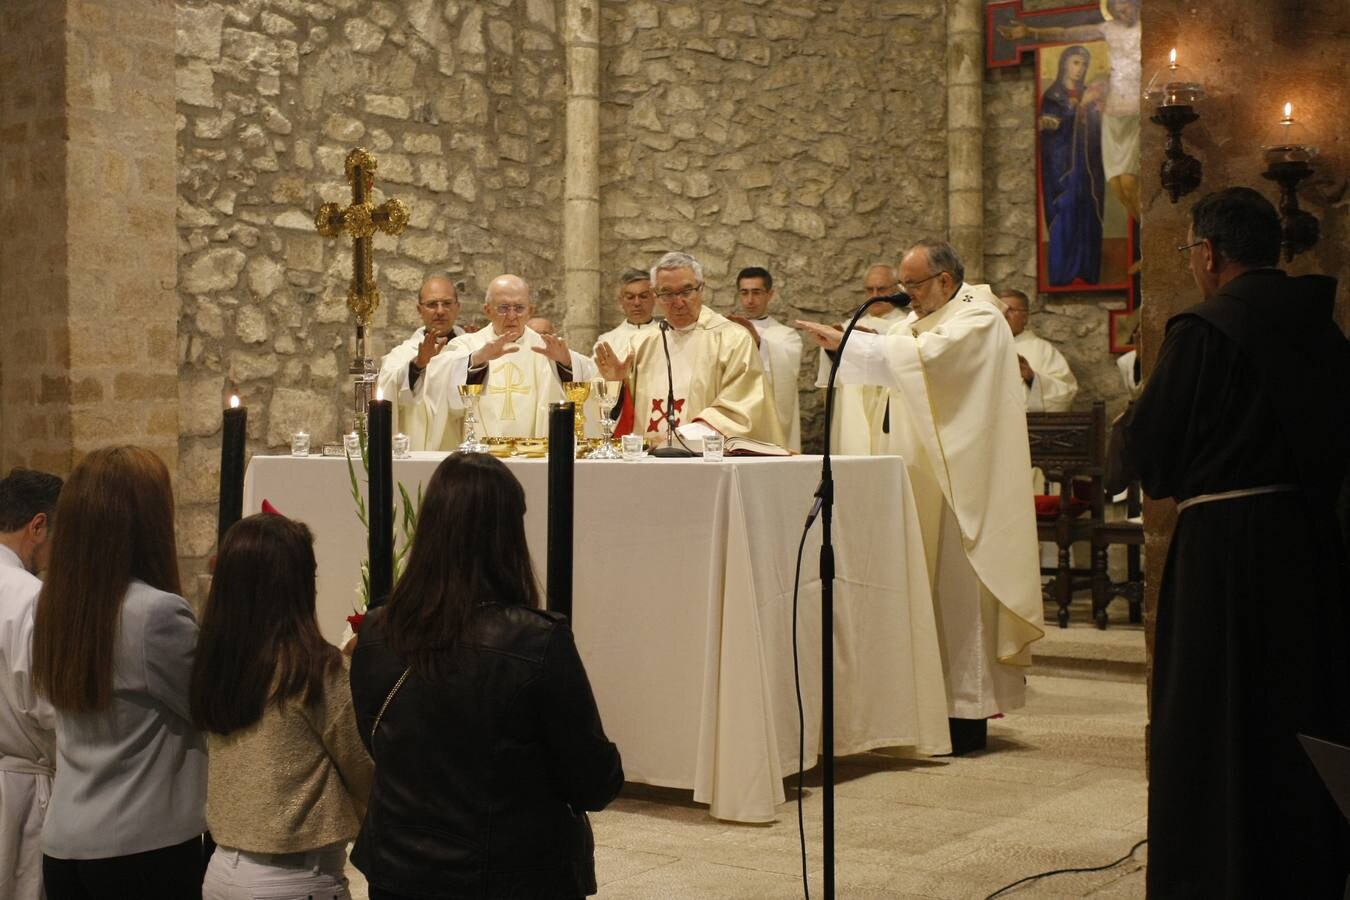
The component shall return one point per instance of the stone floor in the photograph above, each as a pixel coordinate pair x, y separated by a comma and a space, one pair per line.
1061, 785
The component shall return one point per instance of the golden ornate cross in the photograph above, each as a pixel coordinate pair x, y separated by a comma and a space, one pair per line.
510, 385
359, 221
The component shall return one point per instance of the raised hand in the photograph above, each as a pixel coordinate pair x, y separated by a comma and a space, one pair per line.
492, 350
827, 336
555, 348
747, 325
609, 364
432, 344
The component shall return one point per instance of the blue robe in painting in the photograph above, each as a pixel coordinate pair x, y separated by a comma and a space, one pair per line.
1073, 186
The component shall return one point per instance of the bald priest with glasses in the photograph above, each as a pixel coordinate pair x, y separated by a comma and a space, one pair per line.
401, 368
709, 363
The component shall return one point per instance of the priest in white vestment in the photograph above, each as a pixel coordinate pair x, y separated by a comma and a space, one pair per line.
521, 370
780, 350
636, 301
957, 418
714, 369
860, 409
1050, 385
27, 721
438, 305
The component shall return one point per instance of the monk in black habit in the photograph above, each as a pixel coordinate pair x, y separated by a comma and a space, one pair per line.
1245, 421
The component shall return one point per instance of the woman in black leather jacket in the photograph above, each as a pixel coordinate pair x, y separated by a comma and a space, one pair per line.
475, 706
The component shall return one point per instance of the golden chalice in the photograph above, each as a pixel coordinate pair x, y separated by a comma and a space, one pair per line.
577, 392
472, 395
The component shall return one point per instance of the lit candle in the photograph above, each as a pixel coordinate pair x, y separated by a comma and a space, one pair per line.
379, 452
1287, 122
232, 467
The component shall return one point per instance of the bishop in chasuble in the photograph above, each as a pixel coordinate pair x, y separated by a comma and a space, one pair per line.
715, 370
521, 371
957, 416
438, 305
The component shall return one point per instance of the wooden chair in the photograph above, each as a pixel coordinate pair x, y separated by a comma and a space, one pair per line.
1130, 532
1068, 446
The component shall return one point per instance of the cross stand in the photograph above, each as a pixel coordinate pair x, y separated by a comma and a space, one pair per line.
359, 221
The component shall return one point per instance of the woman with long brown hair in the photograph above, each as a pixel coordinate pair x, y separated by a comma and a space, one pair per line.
474, 704
113, 643
289, 777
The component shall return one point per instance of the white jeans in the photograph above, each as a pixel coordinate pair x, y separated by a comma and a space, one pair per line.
313, 875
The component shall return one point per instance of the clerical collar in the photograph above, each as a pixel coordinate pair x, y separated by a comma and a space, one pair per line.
760, 318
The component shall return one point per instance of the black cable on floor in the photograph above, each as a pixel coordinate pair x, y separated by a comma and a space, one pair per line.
1067, 871
801, 717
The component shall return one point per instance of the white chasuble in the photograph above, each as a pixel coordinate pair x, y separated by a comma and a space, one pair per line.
859, 409
780, 351
958, 419
620, 338
516, 391
1053, 387
718, 381
428, 426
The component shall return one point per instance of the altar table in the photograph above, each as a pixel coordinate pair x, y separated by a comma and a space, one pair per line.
682, 607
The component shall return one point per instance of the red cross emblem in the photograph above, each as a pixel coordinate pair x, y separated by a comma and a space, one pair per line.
659, 415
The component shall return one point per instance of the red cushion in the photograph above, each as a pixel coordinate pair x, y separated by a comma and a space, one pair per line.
1047, 506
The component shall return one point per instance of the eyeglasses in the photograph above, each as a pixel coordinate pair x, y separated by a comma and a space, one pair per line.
909, 286
505, 310
1184, 247
439, 304
642, 295
685, 294
1020, 312
884, 291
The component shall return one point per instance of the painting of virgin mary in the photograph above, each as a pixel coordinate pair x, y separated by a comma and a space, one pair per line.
1073, 185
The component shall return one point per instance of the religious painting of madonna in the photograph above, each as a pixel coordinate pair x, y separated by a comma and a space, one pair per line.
1085, 233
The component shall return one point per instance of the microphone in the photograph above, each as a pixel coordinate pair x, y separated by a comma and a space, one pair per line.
670, 451
899, 301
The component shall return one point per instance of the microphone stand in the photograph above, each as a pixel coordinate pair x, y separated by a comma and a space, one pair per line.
670, 451
824, 508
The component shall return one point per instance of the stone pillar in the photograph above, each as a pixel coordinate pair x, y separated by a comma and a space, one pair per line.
88, 349
965, 133
34, 344
581, 197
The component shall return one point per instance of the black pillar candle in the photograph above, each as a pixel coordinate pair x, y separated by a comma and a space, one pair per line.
561, 468
380, 454
232, 468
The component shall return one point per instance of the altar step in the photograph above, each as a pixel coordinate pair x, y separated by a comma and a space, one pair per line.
1083, 651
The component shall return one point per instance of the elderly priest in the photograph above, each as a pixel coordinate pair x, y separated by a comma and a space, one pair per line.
402, 367
957, 417
517, 386
711, 367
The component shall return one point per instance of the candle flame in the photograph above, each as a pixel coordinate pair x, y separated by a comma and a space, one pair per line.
1172, 57
1289, 111
379, 393
234, 401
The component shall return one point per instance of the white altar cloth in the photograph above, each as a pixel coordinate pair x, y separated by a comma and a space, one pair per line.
683, 607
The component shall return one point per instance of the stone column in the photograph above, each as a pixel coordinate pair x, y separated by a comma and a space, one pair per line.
965, 133
581, 197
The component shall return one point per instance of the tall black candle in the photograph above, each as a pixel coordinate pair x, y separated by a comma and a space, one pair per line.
380, 453
232, 468
561, 470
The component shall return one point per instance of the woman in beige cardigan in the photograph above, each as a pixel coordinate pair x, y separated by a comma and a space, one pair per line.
288, 777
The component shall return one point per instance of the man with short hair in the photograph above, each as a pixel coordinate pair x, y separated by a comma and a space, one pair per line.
1245, 421
1050, 385
402, 367
27, 721
956, 417
860, 409
711, 366
541, 325
517, 387
636, 301
780, 350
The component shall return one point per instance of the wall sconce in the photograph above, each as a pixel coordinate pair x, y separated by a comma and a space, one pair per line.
1175, 92
1289, 160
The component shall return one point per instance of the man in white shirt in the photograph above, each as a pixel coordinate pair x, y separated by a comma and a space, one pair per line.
438, 305
956, 420
27, 721
1050, 385
636, 302
780, 350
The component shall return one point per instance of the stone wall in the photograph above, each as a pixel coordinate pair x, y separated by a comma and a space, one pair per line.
34, 415
461, 104
1076, 323
806, 137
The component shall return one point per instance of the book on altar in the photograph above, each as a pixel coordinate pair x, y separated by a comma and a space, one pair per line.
744, 446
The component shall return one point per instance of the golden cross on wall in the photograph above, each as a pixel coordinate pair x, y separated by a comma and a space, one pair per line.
359, 221
513, 382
